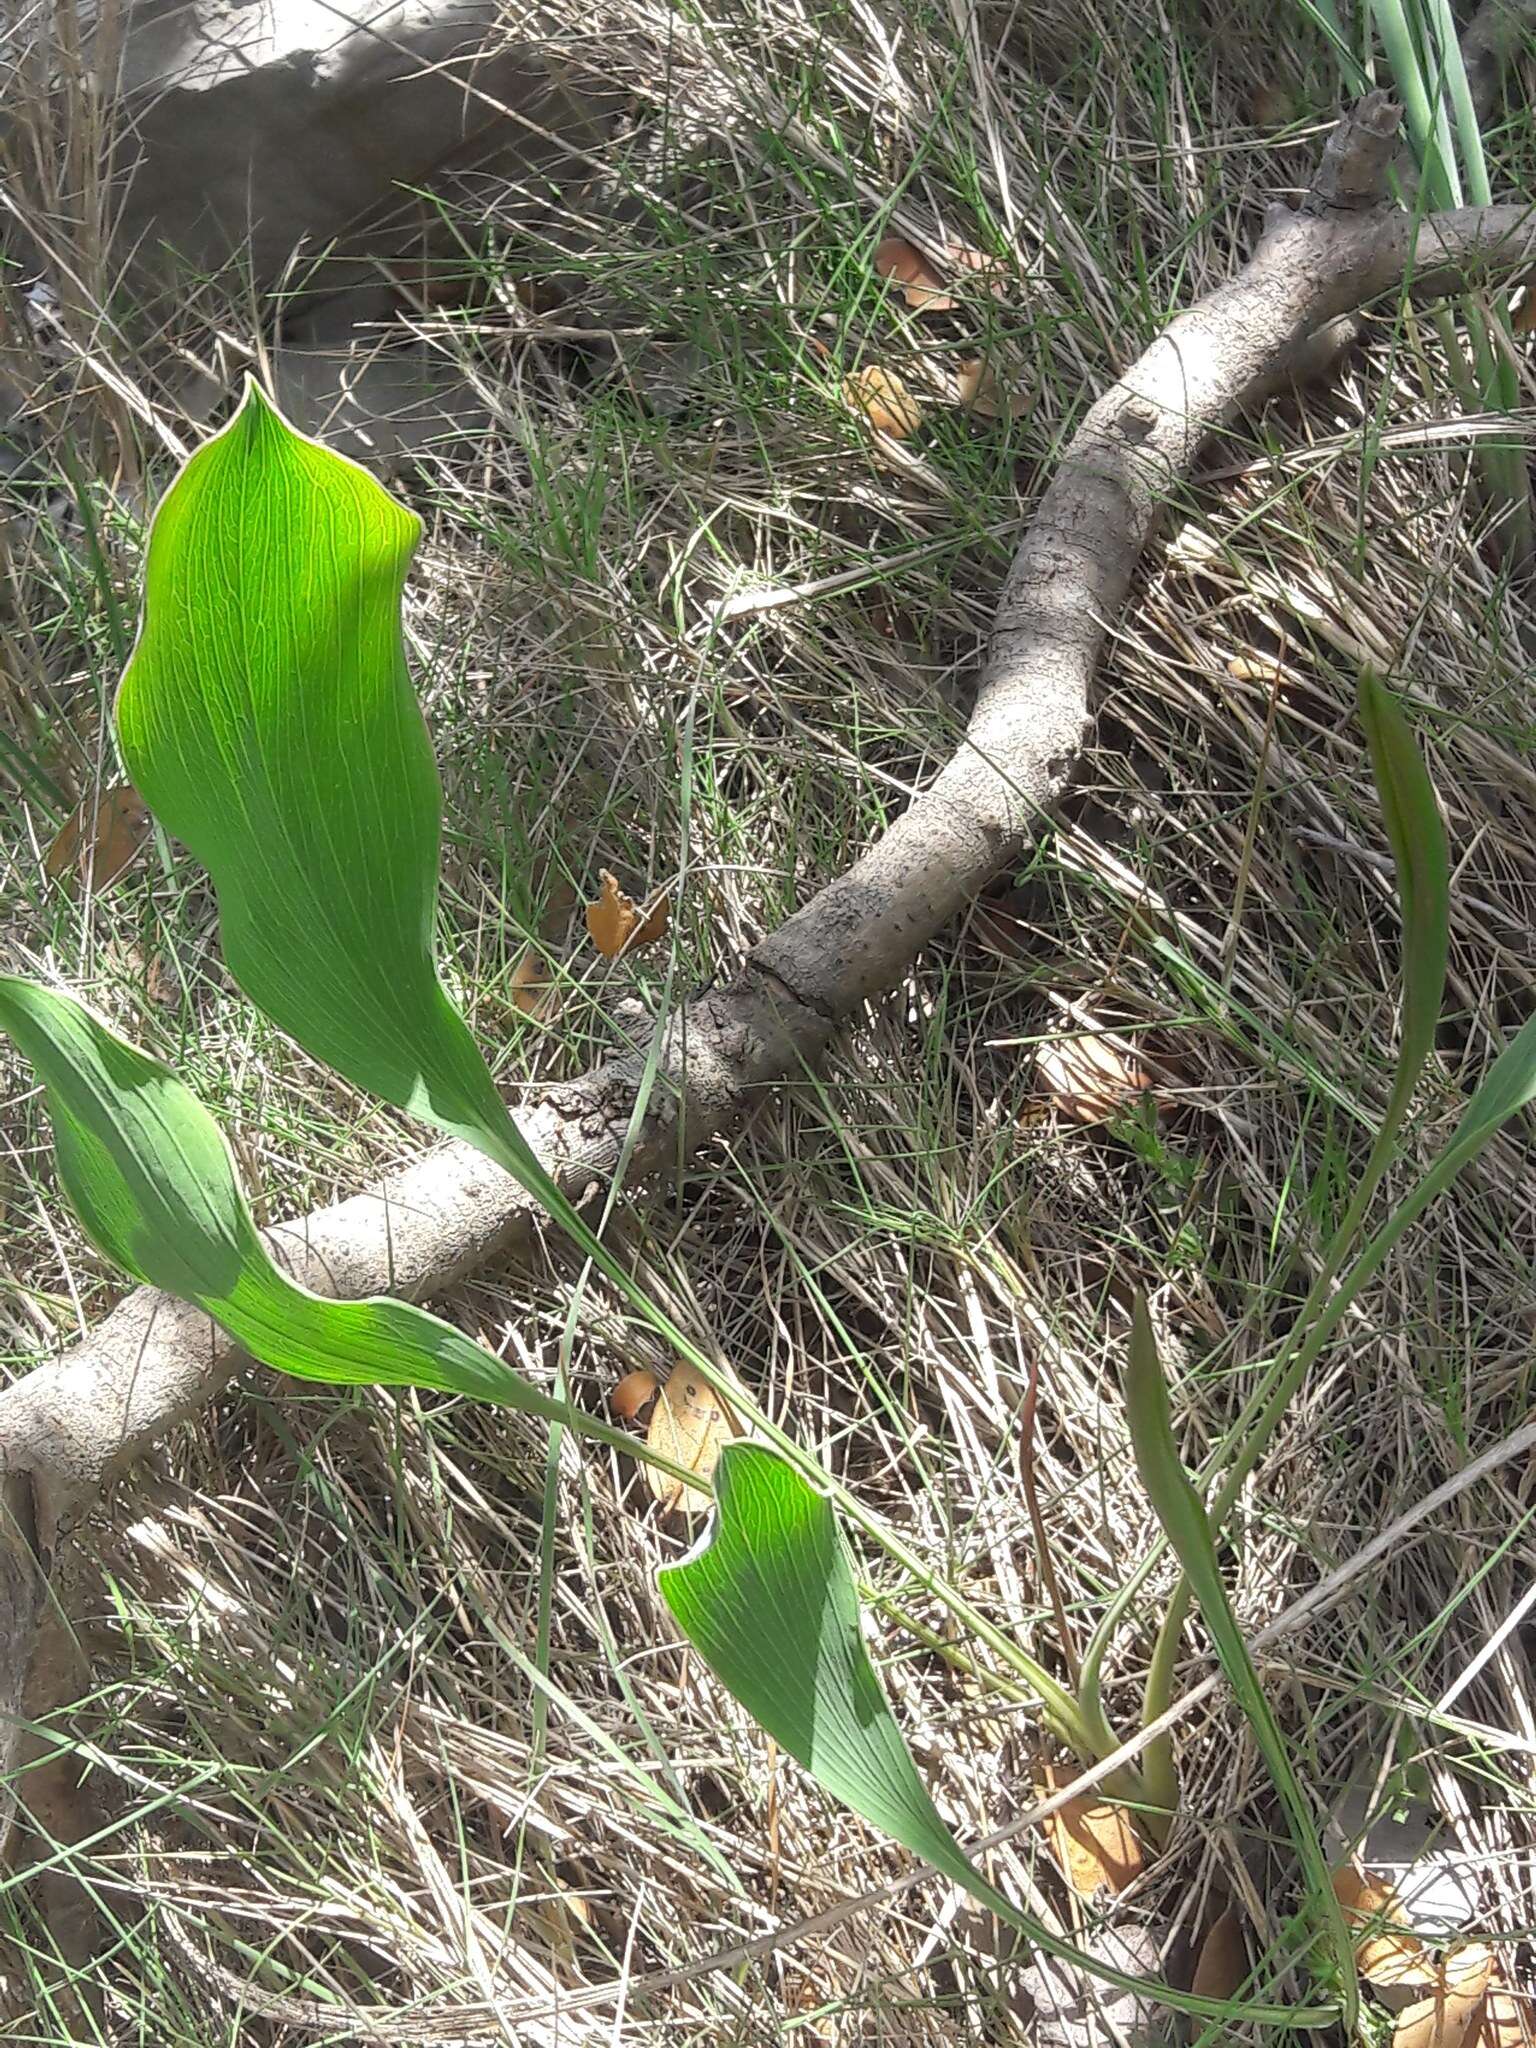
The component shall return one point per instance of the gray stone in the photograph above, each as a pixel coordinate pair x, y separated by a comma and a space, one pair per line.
1418, 1854
392, 411
258, 132
1074, 2010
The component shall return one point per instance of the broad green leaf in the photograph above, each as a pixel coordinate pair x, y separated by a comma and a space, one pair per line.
268, 720
1182, 1515
768, 1600
151, 1178
1417, 837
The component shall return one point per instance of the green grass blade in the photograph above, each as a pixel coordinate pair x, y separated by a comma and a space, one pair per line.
148, 1172
1421, 855
1183, 1518
768, 1600
1429, 129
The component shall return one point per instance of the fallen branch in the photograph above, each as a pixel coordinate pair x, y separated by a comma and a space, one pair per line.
69, 1426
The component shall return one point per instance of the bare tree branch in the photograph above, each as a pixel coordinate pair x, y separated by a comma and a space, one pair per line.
69, 1426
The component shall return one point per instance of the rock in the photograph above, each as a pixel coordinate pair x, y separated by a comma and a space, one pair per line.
249, 130
390, 410
1412, 1849
1074, 2010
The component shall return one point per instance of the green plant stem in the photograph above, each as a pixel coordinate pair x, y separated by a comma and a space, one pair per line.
1182, 1514
1433, 85
1257, 1422
1422, 861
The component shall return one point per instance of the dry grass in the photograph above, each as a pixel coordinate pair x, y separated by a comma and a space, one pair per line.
332, 1772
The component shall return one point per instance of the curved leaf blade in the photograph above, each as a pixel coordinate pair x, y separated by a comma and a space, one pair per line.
767, 1598
768, 1601
268, 719
271, 725
1182, 1514
148, 1172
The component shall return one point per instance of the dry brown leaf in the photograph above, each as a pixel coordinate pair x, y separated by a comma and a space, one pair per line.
880, 398
1221, 1968
992, 270
1361, 1895
980, 390
632, 1393
1395, 1960
691, 1425
616, 924
1092, 1839
1088, 1078
1523, 319
1255, 668
1448, 2016
907, 266
1386, 1953
160, 982
1506, 2022
531, 989
100, 837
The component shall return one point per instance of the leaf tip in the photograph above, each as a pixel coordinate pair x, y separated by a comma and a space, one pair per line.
258, 411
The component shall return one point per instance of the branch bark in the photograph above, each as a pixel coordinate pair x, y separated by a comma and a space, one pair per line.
69, 1426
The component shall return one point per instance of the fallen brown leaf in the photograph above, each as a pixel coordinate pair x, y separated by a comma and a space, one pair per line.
1092, 1839
531, 989
100, 837
691, 1425
881, 399
1454, 2007
1255, 668
1507, 2021
992, 270
632, 1393
160, 983
1523, 319
1088, 1078
1221, 1968
980, 390
1385, 1954
616, 924
907, 267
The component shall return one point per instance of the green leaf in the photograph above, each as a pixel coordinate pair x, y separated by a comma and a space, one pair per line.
1508, 1087
1416, 834
151, 1178
268, 720
1182, 1514
768, 1600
